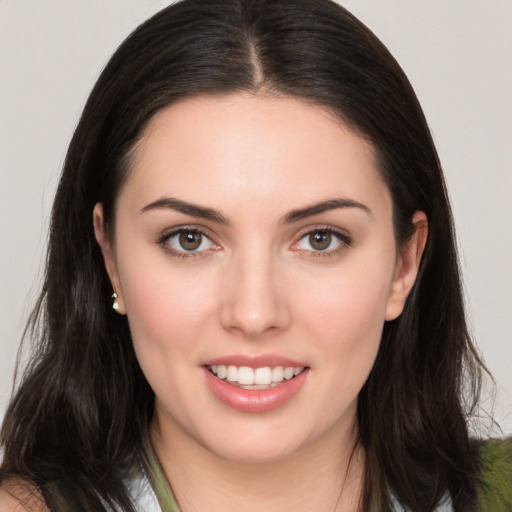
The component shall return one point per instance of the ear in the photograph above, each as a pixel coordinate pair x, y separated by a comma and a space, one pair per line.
407, 266
107, 250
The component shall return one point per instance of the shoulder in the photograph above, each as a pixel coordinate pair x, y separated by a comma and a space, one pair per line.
19, 496
496, 474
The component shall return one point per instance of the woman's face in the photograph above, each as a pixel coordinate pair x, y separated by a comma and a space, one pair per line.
254, 242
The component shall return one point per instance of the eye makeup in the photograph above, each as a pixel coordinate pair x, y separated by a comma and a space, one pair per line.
193, 242
187, 242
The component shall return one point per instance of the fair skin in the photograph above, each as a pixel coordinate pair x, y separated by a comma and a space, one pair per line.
255, 282
255, 277
18, 496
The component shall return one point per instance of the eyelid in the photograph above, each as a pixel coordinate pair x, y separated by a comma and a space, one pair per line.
343, 236
167, 234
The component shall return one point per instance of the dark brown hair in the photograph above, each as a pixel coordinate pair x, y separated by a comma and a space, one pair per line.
83, 408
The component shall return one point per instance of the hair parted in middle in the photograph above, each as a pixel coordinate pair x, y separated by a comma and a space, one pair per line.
84, 402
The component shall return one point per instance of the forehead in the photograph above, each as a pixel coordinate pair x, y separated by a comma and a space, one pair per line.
258, 147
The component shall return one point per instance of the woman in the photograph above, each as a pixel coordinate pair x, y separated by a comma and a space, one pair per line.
252, 294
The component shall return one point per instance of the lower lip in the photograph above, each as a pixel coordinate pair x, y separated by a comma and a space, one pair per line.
255, 400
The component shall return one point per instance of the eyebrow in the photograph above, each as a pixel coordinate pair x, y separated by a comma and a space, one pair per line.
324, 206
213, 215
191, 209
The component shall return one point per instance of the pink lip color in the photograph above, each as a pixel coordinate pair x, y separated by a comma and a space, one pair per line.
252, 400
255, 361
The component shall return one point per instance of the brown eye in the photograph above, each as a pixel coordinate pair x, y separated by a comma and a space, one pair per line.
187, 242
323, 242
320, 240
190, 240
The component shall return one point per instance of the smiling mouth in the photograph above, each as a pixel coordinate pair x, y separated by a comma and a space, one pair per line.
245, 377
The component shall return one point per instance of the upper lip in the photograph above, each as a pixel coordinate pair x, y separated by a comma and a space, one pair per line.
255, 361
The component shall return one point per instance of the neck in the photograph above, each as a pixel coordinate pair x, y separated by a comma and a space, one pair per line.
315, 478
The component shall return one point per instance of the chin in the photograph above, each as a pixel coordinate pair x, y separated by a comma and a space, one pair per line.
255, 454
256, 445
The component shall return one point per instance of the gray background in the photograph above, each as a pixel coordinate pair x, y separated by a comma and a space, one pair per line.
458, 55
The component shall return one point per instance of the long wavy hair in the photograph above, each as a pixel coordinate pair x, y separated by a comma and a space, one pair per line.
82, 409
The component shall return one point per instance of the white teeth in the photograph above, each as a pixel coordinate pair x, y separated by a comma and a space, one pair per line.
277, 374
288, 373
257, 386
245, 376
255, 378
221, 371
232, 373
263, 375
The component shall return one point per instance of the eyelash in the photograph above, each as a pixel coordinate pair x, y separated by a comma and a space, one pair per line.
343, 238
182, 254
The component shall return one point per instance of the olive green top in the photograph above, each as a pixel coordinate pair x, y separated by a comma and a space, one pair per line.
159, 483
495, 480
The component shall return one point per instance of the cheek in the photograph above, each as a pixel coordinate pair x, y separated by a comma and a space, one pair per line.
169, 313
345, 315
166, 307
347, 330
350, 305
349, 333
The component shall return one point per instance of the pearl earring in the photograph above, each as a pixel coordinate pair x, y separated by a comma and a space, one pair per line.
115, 305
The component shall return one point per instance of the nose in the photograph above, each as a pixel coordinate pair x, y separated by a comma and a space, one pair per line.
255, 300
